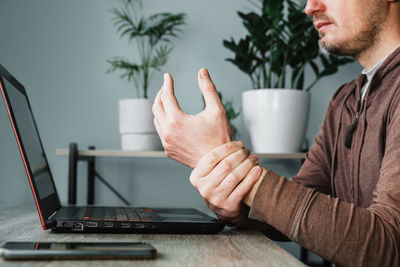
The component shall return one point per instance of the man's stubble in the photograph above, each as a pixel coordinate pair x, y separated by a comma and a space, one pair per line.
371, 26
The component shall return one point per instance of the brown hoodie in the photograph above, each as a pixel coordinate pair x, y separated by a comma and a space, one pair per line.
344, 204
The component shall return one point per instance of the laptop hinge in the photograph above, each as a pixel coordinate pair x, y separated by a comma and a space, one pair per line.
51, 224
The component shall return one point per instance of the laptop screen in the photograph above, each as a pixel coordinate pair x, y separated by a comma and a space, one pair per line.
31, 142
30, 145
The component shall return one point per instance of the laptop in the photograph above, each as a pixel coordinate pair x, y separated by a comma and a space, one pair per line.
85, 219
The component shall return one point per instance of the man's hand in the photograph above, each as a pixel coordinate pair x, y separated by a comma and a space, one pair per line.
186, 138
224, 177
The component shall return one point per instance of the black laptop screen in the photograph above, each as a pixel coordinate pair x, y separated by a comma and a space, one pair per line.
30, 146
30, 141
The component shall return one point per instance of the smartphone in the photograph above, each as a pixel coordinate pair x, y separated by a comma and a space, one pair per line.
75, 251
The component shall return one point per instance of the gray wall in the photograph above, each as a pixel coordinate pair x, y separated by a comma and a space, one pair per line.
58, 50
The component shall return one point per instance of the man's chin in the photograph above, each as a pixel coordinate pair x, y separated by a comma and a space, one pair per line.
326, 47
329, 47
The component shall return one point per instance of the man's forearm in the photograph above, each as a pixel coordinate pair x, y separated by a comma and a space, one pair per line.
334, 229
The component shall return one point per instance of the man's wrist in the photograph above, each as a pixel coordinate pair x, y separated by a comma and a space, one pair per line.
248, 200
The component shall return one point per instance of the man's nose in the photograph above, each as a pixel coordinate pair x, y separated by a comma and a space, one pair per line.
314, 7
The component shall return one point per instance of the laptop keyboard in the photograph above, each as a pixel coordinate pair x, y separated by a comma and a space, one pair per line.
116, 214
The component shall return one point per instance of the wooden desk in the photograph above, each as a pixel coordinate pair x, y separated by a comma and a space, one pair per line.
228, 248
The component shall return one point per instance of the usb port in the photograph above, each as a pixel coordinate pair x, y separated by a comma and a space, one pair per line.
125, 225
77, 226
108, 224
91, 224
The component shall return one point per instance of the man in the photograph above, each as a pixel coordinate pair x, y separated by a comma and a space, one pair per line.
344, 204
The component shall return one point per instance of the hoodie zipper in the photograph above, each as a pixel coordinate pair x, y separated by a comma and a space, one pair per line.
350, 129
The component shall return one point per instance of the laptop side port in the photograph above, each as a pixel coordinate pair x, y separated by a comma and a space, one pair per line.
138, 225
91, 224
77, 226
108, 224
125, 225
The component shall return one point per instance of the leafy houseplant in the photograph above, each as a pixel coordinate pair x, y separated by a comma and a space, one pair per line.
281, 37
279, 45
153, 42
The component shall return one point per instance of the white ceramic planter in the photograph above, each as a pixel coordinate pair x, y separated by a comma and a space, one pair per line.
276, 119
136, 125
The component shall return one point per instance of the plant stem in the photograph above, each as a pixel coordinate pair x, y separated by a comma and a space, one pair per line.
145, 63
283, 74
253, 82
270, 70
136, 84
312, 84
263, 70
298, 77
145, 85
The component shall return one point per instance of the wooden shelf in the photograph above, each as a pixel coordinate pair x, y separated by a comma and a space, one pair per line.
159, 154
298, 155
115, 153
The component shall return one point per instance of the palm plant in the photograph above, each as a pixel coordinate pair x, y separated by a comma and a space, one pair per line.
153, 42
280, 40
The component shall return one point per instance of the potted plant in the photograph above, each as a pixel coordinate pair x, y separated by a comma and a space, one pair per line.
152, 36
280, 44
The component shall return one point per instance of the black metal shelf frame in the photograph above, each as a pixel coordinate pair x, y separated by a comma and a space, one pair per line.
72, 174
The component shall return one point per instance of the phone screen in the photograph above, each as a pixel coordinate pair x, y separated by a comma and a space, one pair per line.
77, 250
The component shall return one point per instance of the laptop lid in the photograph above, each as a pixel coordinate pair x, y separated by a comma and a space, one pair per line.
30, 146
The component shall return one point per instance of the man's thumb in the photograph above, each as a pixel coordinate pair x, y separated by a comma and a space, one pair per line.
208, 89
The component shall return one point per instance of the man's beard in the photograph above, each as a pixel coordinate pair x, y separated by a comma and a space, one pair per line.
362, 41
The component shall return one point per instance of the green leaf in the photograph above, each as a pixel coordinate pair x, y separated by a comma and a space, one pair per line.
160, 58
153, 35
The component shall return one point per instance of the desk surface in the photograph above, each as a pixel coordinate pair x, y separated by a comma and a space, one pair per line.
230, 247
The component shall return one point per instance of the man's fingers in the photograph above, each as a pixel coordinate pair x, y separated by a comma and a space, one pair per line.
168, 98
158, 108
207, 163
223, 170
237, 175
243, 188
208, 90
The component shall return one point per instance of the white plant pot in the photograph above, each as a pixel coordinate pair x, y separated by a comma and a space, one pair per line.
141, 142
136, 125
276, 119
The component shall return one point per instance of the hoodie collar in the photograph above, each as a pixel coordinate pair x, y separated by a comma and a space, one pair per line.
390, 62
